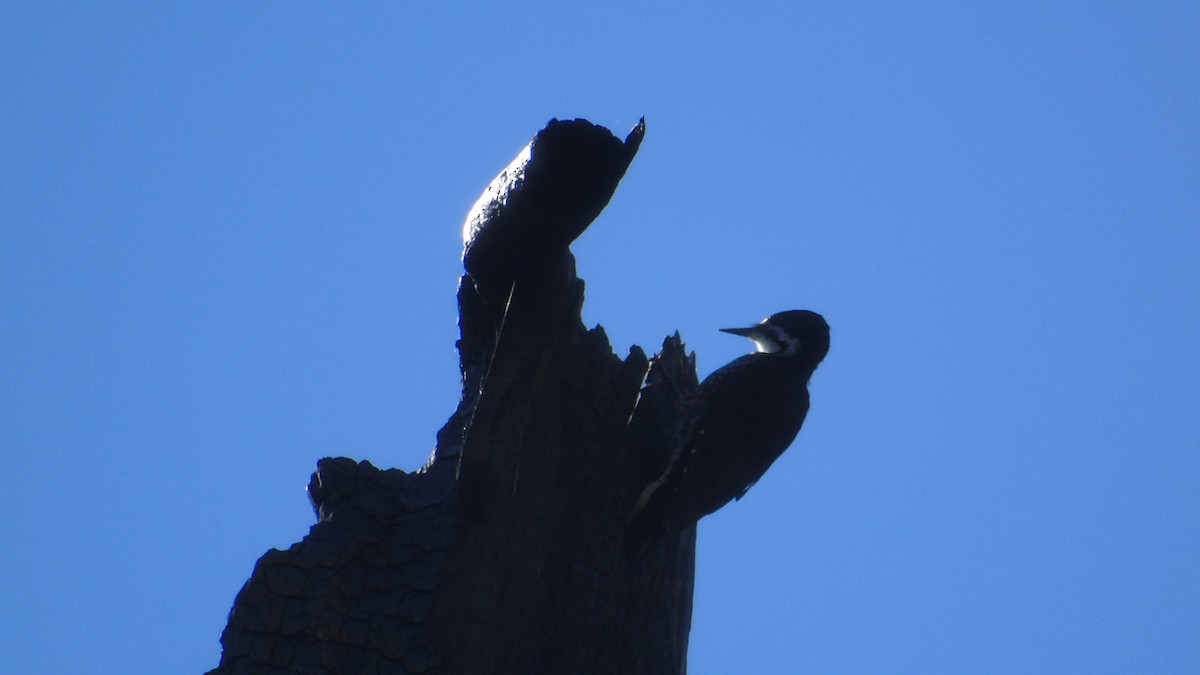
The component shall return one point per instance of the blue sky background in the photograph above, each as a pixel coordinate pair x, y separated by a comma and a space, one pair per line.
230, 237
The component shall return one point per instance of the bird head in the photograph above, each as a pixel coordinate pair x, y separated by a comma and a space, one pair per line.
796, 332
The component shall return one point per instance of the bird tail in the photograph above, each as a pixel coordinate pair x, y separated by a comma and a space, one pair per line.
645, 524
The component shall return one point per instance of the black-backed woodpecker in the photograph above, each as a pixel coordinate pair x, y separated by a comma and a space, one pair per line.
740, 420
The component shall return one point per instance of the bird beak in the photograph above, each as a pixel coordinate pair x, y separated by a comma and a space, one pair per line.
744, 332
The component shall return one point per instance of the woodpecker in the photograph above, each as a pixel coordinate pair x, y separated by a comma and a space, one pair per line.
740, 420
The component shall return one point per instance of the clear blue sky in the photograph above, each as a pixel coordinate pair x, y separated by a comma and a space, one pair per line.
229, 243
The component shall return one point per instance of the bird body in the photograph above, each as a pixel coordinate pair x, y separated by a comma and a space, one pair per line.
740, 420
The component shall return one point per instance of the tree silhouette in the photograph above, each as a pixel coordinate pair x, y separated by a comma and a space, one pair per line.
504, 553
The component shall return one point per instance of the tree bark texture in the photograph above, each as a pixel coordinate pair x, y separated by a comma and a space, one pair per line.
504, 553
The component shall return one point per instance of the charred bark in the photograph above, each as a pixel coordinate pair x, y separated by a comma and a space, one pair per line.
504, 553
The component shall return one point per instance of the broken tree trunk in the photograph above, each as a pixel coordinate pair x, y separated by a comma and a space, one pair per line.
504, 553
